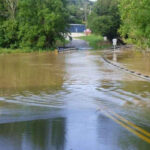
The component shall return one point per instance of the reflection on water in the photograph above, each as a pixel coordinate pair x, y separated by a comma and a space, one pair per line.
114, 56
34, 135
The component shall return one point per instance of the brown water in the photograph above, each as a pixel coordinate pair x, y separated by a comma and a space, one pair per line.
50, 102
135, 60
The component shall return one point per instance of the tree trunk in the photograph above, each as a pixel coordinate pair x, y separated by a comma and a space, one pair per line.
11, 7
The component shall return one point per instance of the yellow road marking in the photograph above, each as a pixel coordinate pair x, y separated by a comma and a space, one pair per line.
128, 122
146, 139
131, 124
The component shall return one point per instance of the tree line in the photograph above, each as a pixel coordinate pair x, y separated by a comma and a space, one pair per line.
125, 19
135, 17
40, 23
105, 18
32, 23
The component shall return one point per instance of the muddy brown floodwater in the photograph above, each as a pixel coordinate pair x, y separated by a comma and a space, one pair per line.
71, 101
135, 60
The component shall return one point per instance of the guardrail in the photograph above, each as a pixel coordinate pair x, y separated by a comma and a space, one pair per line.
140, 75
62, 49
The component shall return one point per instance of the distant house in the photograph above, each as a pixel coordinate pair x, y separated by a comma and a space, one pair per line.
77, 28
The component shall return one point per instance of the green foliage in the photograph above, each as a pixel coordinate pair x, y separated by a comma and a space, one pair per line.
33, 23
8, 34
105, 18
135, 16
96, 41
3, 13
78, 10
76, 14
13, 51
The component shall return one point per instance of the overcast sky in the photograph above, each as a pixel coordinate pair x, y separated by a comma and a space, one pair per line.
93, 0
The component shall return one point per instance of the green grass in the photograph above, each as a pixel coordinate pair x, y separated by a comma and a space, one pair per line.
14, 51
61, 43
11, 51
96, 41
30, 50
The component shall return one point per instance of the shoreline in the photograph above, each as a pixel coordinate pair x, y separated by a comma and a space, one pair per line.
17, 51
121, 66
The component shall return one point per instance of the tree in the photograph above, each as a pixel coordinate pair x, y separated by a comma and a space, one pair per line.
11, 6
135, 18
2, 11
105, 18
33, 23
78, 10
8, 24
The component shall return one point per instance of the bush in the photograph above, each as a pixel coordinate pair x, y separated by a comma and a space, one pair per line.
8, 34
34, 23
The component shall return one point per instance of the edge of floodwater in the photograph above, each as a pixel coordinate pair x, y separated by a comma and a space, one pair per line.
122, 67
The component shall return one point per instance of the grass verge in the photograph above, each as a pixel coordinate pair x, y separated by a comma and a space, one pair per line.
96, 41
25, 50
30, 50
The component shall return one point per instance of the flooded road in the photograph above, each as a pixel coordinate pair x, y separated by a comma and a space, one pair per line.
135, 60
71, 101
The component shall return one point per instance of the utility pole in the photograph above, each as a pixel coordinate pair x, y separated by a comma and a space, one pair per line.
85, 12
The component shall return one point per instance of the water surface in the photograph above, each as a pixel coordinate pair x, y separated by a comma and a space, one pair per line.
51, 102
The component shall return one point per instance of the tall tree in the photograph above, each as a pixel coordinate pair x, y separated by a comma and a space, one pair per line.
2, 11
33, 23
79, 10
135, 16
105, 18
11, 6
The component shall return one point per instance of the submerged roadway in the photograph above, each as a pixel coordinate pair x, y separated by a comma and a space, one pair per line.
74, 101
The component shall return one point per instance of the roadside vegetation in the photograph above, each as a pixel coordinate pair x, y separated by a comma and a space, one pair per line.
30, 50
35, 25
128, 20
135, 17
40, 25
96, 42
105, 19
32, 24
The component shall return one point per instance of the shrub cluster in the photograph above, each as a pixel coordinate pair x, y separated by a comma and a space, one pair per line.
32, 23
